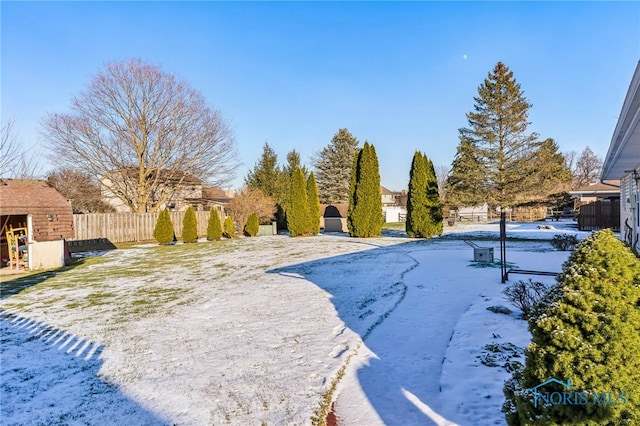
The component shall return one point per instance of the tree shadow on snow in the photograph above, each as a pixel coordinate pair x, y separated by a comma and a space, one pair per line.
365, 288
51, 376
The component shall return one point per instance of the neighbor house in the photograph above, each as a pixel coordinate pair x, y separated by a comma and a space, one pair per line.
39, 218
186, 190
623, 162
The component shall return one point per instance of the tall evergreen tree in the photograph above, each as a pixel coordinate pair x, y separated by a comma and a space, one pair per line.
163, 232
467, 180
365, 216
333, 168
293, 162
424, 208
314, 205
190, 226
497, 138
266, 175
214, 227
417, 214
434, 203
551, 175
298, 209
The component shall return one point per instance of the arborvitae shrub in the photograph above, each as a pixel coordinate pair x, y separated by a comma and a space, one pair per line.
364, 218
586, 330
298, 221
424, 208
214, 227
314, 205
253, 225
163, 232
190, 226
229, 227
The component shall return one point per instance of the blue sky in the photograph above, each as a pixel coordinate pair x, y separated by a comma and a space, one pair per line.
401, 75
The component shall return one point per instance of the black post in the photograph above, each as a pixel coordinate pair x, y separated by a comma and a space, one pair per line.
503, 246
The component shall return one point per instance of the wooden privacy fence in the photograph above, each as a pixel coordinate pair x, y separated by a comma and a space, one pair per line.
125, 227
600, 215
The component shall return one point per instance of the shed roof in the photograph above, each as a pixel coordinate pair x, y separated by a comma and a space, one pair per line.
16, 199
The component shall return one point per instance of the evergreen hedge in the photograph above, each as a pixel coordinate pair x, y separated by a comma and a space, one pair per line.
190, 226
163, 232
253, 225
229, 227
214, 227
586, 330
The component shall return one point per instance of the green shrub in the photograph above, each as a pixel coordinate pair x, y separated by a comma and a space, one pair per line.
214, 227
190, 226
163, 232
564, 242
314, 205
253, 225
298, 221
229, 227
586, 330
364, 217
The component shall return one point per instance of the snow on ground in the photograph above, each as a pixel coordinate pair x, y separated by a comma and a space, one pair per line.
254, 331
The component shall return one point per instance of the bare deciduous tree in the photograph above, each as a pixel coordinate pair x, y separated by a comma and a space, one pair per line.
442, 172
16, 162
80, 189
250, 200
587, 169
143, 130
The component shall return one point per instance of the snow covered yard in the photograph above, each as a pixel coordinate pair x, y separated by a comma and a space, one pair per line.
254, 331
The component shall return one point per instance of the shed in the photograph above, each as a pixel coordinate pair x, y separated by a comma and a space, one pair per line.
44, 214
334, 217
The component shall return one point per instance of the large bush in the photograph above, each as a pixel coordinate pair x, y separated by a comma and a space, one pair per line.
586, 330
163, 232
214, 227
190, 226
253, 225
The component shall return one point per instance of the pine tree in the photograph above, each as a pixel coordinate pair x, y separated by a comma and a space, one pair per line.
253, 225
163, 232
266, 175
229, 227
424, 208
551, 175
298, 210
214, 227
365, 218
190, 226
314, 205
333, 168
587, 330
497, 139
466, 184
